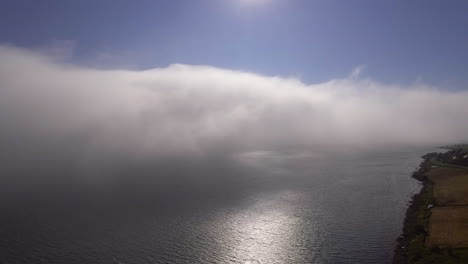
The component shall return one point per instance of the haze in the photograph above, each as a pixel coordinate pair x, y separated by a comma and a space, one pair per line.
199, 111
222, 131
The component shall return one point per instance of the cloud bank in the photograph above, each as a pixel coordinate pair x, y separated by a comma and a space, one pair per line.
83, 119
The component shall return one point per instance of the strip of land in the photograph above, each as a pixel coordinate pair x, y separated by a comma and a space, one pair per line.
436, 224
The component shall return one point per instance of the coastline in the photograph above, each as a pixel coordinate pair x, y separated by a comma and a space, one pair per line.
421, 241
417, 213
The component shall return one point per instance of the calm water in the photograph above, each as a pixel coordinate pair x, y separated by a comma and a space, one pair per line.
295, 207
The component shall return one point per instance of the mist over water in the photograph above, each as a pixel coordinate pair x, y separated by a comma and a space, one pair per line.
199, 164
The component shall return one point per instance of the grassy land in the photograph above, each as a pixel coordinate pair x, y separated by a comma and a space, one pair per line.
450, 185
440, 164
438, 235
448, 227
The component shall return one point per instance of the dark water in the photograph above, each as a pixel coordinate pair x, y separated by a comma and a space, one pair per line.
295, 207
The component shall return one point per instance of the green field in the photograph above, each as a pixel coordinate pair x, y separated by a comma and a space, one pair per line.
417, 251
448, 227
440, 233
450, 185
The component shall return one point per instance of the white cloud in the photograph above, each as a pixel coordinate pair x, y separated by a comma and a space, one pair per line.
193, 110
356, 73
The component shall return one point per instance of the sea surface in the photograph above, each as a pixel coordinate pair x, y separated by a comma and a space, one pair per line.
275, 207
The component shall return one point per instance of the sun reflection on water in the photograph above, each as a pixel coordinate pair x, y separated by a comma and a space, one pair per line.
268, 231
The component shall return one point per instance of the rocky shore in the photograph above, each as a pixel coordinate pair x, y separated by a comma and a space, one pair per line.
412, 246
414, 224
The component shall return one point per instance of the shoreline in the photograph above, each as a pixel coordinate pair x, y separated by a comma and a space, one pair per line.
411, 245
412, 227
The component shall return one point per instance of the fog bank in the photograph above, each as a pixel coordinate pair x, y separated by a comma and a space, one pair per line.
84, 121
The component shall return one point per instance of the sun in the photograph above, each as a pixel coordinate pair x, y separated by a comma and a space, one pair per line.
254, 2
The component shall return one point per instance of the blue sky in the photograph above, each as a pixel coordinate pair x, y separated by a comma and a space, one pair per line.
396, 41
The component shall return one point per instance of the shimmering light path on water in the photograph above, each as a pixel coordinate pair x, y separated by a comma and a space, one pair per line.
300, 208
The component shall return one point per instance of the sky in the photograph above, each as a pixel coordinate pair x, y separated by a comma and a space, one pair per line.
96, 89
177, 104
397, 42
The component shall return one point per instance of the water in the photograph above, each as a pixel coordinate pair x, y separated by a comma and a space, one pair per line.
295, 207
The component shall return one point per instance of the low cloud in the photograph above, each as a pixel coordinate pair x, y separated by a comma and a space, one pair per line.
86, 120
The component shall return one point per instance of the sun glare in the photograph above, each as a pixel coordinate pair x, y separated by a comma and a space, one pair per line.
254, 2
